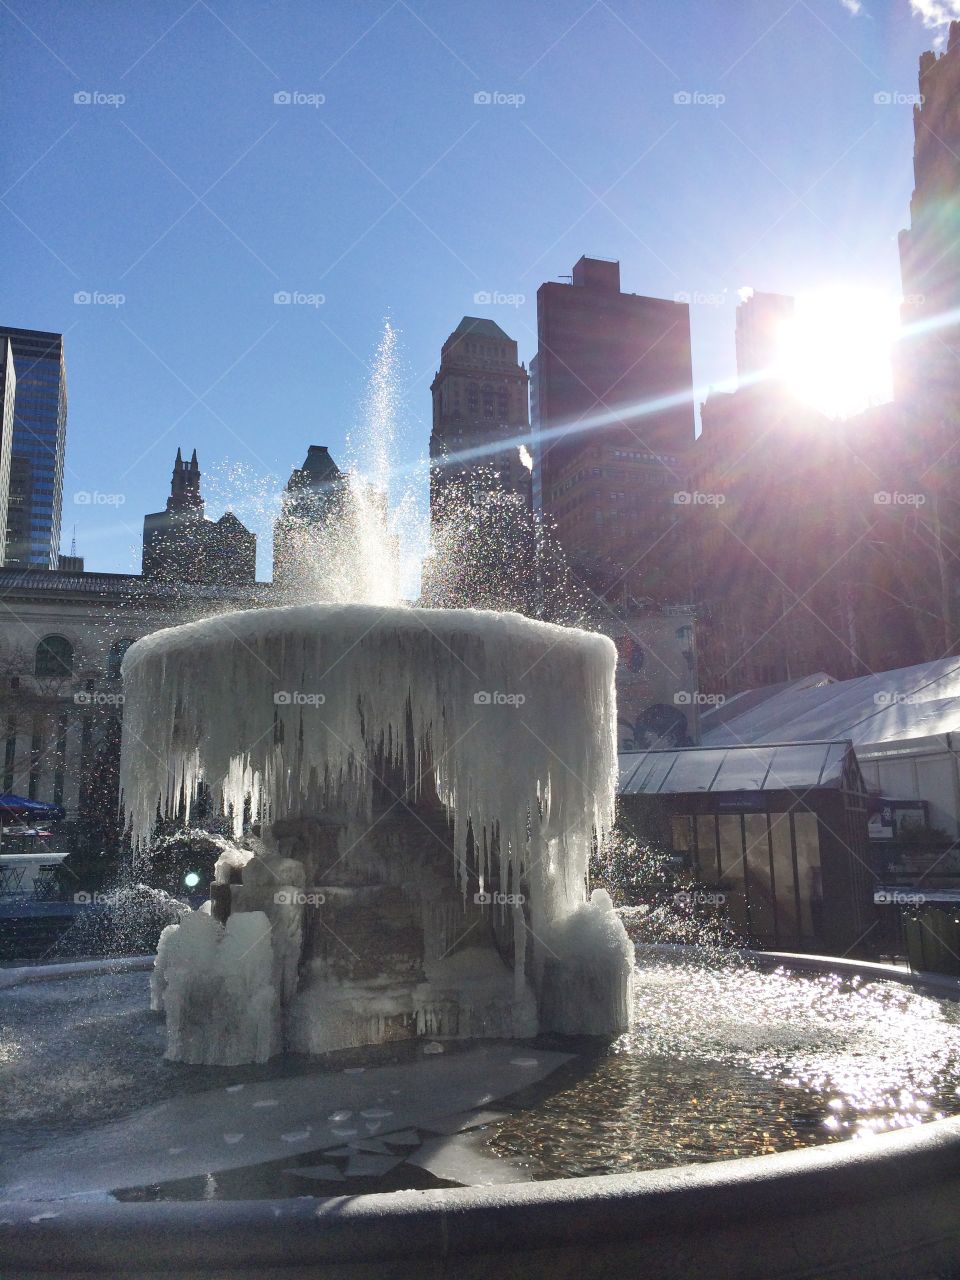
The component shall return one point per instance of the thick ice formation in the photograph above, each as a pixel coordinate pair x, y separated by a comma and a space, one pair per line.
213, 982
297, 718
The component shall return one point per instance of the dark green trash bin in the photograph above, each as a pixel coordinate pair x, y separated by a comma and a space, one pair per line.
933, 940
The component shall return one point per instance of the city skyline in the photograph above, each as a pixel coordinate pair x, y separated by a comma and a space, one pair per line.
694, 197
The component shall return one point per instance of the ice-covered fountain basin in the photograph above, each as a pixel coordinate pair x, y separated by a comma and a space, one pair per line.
883, 1208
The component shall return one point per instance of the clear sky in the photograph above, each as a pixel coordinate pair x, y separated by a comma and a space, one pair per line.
198, 197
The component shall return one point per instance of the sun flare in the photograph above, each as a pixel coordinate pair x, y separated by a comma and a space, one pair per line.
835, 353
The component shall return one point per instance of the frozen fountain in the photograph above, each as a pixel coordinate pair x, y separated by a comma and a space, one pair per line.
424, 785
427, 786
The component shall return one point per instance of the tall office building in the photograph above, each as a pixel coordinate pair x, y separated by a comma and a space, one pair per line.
613, 416
761, 318
39, 440
480, 411
8, 392
928, 366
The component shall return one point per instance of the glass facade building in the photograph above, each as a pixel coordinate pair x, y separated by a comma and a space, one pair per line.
8, 397
39, 439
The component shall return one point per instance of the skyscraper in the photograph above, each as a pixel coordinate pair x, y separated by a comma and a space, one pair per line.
39, 440
8, 392
181, 545
613, 416
928, 366
480, 410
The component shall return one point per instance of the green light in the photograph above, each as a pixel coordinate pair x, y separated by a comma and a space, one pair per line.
191, 879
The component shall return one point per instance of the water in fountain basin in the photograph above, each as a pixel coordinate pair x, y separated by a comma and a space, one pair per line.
720, 1064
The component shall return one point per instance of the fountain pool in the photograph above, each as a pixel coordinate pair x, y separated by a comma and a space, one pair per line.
546, 1153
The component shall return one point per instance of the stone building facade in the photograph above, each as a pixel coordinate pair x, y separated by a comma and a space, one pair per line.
62, 640
928, 368
181, 545
480, 412
314, 496
815, 545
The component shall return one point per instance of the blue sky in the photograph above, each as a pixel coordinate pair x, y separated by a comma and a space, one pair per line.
198, 197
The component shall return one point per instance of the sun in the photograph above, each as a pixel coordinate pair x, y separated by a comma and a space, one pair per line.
835, 352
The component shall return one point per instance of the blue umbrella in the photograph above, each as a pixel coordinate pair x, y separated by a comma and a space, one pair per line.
21, 807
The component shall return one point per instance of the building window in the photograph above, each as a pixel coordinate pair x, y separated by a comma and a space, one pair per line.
36, 760
115, 657
54, 657
60, 760
10, 753
86, 742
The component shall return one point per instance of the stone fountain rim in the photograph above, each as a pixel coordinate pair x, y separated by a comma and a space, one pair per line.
793, 1213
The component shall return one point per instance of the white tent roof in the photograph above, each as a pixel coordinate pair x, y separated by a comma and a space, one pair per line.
872, 711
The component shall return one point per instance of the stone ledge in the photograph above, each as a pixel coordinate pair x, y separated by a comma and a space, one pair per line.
856, 1210
13, 977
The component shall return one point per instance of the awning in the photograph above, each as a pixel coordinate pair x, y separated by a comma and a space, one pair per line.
20, 807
